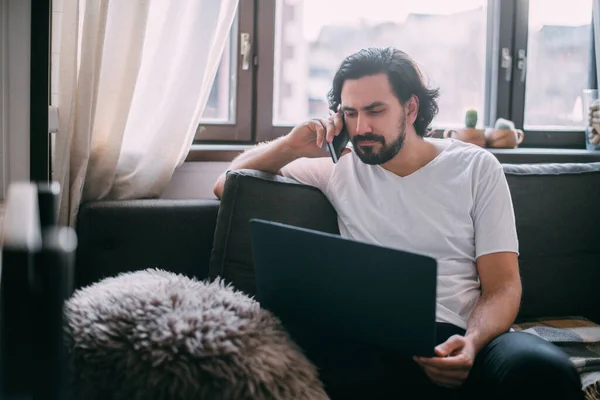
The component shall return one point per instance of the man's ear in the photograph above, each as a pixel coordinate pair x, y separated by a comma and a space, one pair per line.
412, 109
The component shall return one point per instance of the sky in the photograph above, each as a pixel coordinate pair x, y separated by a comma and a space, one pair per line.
318, 13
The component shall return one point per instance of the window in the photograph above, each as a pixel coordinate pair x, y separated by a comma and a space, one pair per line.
447, 39
524, 60
228, 113
558, 51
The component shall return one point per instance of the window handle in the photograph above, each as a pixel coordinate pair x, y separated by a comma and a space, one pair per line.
245, 50
522, 63
506, 63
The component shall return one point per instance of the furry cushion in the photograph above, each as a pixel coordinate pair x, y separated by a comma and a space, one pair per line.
156, 335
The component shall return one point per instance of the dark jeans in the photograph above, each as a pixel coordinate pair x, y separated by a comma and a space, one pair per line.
515, 365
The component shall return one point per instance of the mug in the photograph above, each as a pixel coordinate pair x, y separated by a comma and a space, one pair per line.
504, 138
469, 135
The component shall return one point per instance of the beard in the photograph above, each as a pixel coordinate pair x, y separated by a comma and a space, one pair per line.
379, 153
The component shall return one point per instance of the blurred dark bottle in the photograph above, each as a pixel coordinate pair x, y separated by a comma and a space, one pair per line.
38, 259
22, 241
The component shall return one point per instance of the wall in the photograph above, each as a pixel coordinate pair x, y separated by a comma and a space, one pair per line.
194, 180
15, 26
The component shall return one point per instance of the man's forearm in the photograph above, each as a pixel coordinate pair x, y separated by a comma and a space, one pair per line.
268, 157
493, 315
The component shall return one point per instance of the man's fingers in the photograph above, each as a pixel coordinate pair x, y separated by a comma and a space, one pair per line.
454, 343
460, 374
338, 122
319, 129
330, 130
445, 379
459, 362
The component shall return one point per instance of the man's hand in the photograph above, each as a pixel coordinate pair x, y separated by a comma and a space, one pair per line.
308, 138
305, 140
453, 363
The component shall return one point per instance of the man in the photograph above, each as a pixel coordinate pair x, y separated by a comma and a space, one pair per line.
440, 197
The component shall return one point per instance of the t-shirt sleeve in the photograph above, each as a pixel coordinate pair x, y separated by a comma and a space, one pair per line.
310, 171
493, 214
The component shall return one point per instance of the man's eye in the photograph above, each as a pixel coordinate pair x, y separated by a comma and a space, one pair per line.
376, 111
349, 114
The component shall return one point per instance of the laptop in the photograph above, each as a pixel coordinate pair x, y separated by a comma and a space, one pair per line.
341, 287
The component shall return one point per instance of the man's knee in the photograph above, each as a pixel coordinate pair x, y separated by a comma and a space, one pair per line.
534, 364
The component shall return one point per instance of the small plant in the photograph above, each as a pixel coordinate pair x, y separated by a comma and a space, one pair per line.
502, 123
471, 118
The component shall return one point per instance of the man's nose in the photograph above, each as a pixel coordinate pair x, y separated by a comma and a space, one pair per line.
362, 125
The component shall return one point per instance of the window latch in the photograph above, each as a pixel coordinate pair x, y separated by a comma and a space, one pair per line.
522, 63
245, 50
506, 63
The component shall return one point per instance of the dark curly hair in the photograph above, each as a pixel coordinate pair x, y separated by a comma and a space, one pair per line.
404, 76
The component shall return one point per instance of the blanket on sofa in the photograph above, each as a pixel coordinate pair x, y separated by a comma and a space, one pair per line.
579, 338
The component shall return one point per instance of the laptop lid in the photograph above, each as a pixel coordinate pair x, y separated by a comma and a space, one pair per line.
378, 295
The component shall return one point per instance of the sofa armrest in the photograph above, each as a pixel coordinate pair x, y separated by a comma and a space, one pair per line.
123, 236
253, 194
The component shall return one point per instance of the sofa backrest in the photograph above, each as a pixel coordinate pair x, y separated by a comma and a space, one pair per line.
557, 209
117, 236
253, 194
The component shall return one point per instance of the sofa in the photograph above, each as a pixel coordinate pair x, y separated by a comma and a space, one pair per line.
557, 209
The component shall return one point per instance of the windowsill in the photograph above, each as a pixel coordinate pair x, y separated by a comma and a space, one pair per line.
226, 152
220, 147
545, 155
535, 150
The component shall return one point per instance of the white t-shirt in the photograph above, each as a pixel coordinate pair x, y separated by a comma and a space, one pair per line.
456, 208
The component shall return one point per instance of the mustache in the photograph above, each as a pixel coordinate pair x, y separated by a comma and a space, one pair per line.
371, 137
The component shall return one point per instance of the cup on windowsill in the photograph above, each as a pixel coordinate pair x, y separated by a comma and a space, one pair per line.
591, 115
503, 138
469, 135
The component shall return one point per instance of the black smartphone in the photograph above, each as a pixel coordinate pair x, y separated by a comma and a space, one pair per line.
338, 144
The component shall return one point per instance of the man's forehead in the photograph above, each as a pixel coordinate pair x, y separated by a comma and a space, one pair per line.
362, 92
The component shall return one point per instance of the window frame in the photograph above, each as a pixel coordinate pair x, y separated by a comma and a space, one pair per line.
534, 138
507, 28
265, 130
240, 130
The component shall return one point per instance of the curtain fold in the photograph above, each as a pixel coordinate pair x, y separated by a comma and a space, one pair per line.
134, 79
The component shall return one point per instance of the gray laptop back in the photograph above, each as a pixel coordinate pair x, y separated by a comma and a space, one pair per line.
320, 281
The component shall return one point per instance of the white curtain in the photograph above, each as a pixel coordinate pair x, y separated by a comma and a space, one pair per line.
134, 78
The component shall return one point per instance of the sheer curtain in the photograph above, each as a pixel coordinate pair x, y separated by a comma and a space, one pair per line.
133, 80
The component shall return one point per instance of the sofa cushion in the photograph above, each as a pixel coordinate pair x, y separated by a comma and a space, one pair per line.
120, 236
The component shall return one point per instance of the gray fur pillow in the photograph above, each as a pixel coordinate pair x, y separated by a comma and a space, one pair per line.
156, 335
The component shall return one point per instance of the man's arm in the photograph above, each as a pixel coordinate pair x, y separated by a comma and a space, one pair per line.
268, 157
493, 315
305, 140
500, 298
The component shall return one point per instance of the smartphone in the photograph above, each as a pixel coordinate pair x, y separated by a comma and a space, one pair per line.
338, 144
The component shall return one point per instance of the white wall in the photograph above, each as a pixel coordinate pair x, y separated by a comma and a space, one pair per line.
15, 18
194, 180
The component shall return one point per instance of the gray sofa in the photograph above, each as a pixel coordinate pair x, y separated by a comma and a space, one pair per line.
557, 210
